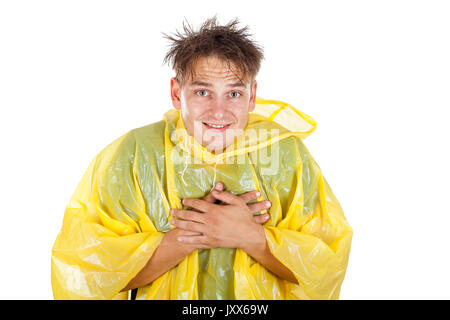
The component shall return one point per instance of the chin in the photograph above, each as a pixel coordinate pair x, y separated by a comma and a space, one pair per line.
219, 142
215, 147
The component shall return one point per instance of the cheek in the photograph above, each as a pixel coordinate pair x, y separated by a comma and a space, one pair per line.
189, 110
191, 107
191, 116
242, 117
191, 113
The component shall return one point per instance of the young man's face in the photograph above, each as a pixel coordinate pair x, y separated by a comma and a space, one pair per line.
214, 103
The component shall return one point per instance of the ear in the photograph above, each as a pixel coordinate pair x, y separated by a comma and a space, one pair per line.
175, 93
252, 104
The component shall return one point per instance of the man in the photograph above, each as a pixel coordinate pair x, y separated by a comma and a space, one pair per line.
170, 210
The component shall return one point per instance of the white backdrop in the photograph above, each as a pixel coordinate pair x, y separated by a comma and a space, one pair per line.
375, 75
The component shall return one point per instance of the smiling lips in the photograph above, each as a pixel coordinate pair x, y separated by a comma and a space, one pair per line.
216, 126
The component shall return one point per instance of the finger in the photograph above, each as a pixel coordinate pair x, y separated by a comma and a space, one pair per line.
250, 196
199, 246
210, 198
227, 197
188, 215
199, 242
199, 204
189, 225
202, 239
182, 232
259, 206
262, 218
219, 186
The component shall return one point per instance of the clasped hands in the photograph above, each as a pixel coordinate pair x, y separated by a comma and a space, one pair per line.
228, 224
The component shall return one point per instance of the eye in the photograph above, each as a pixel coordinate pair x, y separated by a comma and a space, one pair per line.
202, 93
235, 94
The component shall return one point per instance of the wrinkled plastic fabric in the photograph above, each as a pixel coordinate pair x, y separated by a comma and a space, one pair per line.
119, 213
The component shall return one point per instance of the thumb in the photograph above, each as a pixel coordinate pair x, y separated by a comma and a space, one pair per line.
210, 198
227, 197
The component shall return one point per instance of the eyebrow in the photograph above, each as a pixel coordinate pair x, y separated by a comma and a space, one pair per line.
207, 84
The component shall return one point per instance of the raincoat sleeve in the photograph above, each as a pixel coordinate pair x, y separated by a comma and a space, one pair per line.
313, 239
106, 236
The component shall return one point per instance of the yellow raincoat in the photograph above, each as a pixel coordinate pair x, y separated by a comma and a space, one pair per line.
119, 213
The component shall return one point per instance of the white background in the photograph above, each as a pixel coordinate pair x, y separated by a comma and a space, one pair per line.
375, 75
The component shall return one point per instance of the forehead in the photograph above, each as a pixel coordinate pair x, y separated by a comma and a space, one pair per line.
214, 69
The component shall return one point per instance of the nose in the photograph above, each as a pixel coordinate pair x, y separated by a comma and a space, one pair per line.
218, 108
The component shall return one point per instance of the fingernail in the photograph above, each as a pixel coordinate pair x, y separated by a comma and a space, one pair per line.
258, 193
266, 217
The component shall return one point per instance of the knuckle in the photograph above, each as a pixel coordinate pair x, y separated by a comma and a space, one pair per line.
212, 220
190, 202
187, 215
188, 225
207, 220
191, 225
181, 224
217, 210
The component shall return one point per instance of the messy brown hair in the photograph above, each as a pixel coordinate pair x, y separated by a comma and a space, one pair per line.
229, 43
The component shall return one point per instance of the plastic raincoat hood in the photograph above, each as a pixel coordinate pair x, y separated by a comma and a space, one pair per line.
119, 213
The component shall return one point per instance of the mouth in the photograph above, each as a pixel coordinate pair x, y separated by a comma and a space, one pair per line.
216, 126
